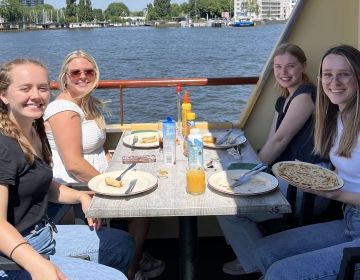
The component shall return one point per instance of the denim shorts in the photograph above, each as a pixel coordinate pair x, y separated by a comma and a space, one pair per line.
352, 221
42, 237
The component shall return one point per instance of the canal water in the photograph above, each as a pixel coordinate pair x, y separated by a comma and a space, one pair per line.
147, 52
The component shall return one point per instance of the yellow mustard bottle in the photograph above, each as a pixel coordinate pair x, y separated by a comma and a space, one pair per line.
185, 108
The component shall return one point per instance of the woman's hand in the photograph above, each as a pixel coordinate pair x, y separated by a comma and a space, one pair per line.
46, 270
85, 201
327, 194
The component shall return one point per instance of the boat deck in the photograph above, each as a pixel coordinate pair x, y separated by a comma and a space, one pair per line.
212, 252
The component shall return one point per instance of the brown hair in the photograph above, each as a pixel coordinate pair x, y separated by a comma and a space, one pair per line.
326, 113
296, 51
8, 127
91, 106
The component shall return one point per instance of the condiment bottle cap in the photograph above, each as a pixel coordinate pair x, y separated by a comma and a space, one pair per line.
186, 98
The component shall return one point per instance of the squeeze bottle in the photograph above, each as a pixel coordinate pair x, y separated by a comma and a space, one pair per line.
185, 108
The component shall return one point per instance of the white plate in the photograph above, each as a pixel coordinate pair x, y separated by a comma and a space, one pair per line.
128, 140
240, 140
258, 184
301, 174
145, 182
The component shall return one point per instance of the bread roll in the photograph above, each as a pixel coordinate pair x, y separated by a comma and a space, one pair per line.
150, 139
209, 139
113, 182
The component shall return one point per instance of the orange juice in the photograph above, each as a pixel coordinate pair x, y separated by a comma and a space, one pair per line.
195, 181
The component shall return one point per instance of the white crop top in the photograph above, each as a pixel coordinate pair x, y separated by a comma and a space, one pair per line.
93, 139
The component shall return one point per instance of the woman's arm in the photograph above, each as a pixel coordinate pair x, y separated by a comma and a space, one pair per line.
65, 195
66, 128
298, 113
13, 245
339, 195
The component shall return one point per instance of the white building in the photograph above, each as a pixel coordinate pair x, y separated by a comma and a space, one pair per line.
263, 9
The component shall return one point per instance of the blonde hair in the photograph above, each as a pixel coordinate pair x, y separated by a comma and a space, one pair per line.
326, 113
91, 106
8, 127
296, 51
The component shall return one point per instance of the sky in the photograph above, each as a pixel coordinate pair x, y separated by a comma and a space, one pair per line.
133, 5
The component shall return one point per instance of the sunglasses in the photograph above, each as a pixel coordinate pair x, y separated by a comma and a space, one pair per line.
76, 73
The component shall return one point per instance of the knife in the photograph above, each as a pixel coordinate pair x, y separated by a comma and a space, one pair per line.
224, 138
131, 186
247, 176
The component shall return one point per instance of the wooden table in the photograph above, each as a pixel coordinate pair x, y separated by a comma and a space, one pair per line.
171, 199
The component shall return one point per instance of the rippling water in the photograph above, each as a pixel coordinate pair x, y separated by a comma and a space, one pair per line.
145, 52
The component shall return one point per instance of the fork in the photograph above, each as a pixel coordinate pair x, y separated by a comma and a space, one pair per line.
135, 140
126, 170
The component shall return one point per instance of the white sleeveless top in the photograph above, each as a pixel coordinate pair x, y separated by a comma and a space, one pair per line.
347, 168
93, 139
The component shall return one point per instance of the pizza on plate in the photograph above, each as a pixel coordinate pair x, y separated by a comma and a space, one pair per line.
307, 175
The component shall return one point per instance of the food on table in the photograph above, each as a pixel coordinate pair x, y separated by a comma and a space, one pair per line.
163, 172
209, 139
113, 182
150, 139
307, 175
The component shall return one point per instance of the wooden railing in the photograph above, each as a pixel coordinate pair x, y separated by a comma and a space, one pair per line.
167, 82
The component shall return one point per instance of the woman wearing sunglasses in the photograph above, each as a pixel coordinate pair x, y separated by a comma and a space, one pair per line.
315, 251
75, 128
26, 186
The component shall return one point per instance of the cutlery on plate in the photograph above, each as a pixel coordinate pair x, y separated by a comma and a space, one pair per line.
223, 139
131, 186
233, 141
126, 170
247, 176
135, 140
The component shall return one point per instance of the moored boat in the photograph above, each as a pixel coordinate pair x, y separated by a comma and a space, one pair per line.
244, 23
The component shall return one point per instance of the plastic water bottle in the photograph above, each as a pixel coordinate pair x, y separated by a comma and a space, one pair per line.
195, 149
195, 174
190, 123
169, 141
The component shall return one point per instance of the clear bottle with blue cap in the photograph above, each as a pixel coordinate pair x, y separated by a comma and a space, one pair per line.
169, 141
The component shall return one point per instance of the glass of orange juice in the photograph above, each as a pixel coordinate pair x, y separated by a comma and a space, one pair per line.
195, 181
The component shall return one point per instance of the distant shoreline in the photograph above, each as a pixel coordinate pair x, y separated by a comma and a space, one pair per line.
73, 26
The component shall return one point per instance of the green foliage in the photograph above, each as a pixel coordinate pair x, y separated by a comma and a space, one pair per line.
85, 12
70, 11
117, 10
11, 10
162, 8
98, 14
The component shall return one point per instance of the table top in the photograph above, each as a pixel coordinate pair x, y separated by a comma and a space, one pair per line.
170, 198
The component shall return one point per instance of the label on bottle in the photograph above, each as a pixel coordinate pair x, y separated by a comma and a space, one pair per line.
195, 152
169, 141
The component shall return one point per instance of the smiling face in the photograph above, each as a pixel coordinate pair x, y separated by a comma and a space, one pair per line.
28, 93
80, 77
288, 71
338, 80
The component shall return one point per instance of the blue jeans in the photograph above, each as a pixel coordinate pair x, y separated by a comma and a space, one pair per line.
109, 247
241, 231
310, 252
